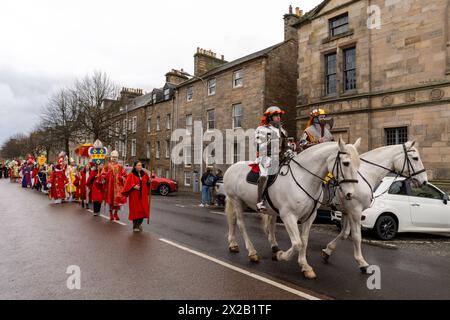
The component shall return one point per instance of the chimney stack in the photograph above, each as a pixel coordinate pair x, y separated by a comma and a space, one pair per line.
205, 60
290, 19
176, 76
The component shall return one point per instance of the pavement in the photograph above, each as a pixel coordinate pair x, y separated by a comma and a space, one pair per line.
183, 254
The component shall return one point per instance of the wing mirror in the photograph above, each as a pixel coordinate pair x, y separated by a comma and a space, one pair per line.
446, 198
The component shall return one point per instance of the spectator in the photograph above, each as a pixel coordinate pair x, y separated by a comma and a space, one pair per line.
220, 198
208, 181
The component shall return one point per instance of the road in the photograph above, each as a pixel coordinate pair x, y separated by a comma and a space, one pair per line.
182, 254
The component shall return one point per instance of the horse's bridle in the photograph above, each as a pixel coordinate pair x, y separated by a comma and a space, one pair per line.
338, 166
406, 164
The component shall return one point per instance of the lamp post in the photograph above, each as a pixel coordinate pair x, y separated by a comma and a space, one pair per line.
202, 114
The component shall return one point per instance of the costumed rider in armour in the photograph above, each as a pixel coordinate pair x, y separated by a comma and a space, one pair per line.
317, 130
271, 141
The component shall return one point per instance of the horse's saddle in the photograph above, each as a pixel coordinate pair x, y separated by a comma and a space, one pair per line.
252, 178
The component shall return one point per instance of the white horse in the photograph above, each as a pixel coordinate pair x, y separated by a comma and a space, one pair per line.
403, 160
296, 193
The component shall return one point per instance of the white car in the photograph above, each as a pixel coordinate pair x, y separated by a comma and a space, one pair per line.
400, 207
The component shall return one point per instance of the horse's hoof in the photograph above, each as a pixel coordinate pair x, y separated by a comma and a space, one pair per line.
363, 270
275, 249
325, 256
254, 258
234, 249
310, 275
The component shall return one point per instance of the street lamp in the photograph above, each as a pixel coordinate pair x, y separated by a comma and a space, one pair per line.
203, 111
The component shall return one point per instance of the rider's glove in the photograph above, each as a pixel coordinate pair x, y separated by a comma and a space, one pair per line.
289, 154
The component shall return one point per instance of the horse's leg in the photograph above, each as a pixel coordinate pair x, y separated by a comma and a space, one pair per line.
355, 225
305, 228
252, 254
331, 247
269, 226
231, 218
290, 222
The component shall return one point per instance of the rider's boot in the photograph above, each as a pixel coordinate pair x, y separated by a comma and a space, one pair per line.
260, 206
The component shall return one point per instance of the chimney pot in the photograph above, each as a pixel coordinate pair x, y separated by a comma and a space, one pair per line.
290, 9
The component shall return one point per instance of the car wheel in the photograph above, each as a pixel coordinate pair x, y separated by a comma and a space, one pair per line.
386, 227
163, 190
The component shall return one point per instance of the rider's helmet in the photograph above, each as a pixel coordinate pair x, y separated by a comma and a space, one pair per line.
269, 113
318, 115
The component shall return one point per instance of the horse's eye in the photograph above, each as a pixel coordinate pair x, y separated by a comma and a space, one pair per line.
346, 163
416, 158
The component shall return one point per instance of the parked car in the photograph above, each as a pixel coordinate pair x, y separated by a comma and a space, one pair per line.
400, 207
162, 186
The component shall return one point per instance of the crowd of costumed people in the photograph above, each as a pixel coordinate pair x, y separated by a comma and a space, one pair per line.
99, 180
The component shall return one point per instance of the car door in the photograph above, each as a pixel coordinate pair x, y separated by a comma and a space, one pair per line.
428, 209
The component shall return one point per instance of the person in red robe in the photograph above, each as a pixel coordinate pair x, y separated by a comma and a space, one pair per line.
115, 178
96, 183
137, 189
57, 184
81, 187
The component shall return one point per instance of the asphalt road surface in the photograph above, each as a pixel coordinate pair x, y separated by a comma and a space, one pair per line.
183, 254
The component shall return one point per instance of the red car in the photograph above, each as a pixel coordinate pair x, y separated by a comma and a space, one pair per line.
160, 185
163, 186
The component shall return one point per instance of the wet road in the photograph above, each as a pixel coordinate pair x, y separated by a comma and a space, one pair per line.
39, 241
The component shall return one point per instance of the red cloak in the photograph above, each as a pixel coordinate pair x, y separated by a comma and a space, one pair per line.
80, 183
96, 184
58, 181
115, 176
138, 199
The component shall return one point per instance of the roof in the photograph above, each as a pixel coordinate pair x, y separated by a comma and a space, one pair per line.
139, 102
234, 63
311, 14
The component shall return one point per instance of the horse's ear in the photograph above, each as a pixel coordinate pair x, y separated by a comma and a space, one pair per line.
413, 143
357, 144
341, 144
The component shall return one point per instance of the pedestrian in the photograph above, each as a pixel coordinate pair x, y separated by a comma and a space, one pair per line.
115, 179
96, 184
137, 189
219, 196
58, 182
207, 183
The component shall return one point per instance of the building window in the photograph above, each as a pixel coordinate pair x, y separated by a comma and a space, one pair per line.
189, 124
187, 179
154, 98
159, 172
396, 135
211, 119
166, 94
237, 115
158, 149
167, 174
134, 124
130, 124
168, 121
339, 25
190, 93
211, 87
330, 73
158, 123
133, 148
167, 148
237, 79
149, 125
117, 128
147, 151
350, 69
187, 156
124, 130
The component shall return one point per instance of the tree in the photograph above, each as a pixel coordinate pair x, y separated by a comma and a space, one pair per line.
93, 93
61, 116
15, 147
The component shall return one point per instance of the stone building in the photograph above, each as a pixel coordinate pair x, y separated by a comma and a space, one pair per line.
233, 95
382, 71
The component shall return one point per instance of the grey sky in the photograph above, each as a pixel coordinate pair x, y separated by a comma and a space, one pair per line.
46, 44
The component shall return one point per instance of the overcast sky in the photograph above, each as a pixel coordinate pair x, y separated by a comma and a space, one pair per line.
47, 44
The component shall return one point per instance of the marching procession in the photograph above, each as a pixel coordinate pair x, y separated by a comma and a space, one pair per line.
95, 184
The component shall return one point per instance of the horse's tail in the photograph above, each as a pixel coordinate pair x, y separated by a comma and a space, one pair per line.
230, 212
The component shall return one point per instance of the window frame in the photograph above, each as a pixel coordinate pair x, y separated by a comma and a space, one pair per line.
398, 135
346, 70
168, 149
158, 150
210, 87
190, 93
134, 124
208, 121
329, 75
234, 116
189, 127
158, 123
241, 84
149, 124
187, 176
169, 121
166, 94
133, 147
332, 29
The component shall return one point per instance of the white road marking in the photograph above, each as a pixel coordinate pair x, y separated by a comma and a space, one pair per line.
243, 271
218, 212
180, 206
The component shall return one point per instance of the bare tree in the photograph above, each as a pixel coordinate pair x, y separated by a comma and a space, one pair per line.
15, 147
62, 115
96, 96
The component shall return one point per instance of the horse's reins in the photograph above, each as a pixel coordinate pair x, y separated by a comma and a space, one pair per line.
337, 165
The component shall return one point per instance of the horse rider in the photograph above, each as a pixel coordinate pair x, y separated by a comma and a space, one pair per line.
317, 131
271, 141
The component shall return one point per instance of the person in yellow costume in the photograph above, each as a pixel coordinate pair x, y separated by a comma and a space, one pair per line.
71, 172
